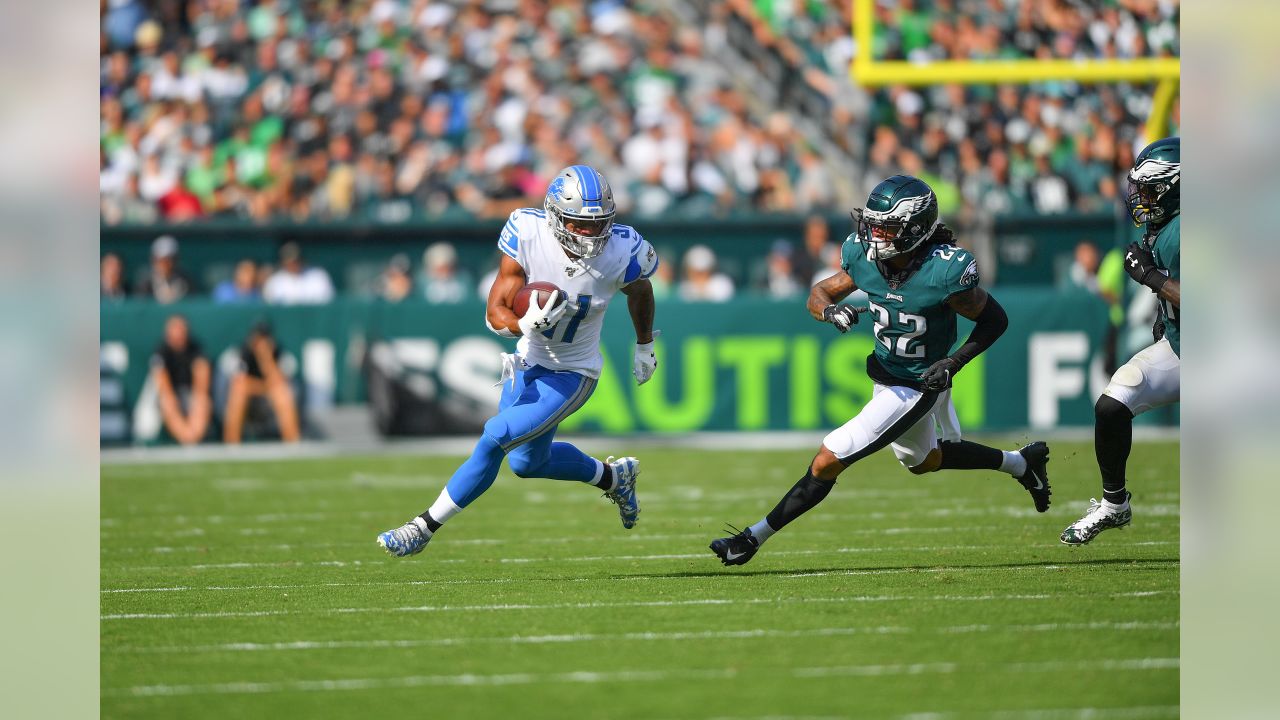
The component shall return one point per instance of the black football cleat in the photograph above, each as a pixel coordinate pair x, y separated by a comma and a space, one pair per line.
1036, 478
736, 550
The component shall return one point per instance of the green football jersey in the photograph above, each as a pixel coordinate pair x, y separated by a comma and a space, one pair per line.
914, 327
1167, 249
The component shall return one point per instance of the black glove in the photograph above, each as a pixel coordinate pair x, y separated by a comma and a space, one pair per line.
1141, 266
938, 377
1157, 330
842, 316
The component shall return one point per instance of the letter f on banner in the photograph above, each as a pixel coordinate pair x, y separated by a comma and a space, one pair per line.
1050, 377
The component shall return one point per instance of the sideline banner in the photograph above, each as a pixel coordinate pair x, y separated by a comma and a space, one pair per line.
752, 364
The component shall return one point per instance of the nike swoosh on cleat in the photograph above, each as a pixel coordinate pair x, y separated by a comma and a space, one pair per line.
1039, 482
732, 556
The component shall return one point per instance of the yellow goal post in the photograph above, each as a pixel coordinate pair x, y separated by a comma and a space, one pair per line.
867, 71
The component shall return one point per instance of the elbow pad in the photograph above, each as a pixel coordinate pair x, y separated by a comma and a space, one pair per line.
500, 332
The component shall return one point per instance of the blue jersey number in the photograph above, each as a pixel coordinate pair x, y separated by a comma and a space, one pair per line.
570, 328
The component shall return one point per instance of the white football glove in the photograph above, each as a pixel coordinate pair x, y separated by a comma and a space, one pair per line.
645, 360
540, 317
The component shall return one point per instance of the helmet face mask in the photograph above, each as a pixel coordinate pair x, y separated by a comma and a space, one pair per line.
580, 210
901, 214
1145, 199
1154, 194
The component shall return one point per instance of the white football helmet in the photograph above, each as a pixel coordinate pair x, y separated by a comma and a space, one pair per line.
580, 196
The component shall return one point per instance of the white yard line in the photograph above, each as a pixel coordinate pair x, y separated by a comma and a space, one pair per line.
748, 634
577, 539
513, 640
475, 679
1104, 664
1136, 712
490, 581
591, 558
919, 507
608, 605
942, 568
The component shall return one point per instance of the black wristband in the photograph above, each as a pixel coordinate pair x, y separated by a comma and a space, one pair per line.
1160, 280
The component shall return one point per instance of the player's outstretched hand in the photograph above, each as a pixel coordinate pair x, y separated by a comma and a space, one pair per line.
645, 361
540, 317
938, 376
842, 316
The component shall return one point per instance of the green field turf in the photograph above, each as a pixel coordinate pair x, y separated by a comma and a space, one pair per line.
255, 590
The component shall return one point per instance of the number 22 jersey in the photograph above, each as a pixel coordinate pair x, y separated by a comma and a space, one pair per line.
914, 327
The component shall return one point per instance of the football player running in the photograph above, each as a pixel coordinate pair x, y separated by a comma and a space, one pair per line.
901, 255
1151, 378
574, 243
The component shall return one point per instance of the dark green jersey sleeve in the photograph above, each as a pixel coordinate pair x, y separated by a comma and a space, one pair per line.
959, 269
850, 252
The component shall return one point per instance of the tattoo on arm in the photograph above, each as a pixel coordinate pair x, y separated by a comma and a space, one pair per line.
969, 303
828, 292
641, 306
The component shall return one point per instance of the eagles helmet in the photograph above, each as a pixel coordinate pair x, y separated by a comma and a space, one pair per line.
901, 213
1154, 196
580, 196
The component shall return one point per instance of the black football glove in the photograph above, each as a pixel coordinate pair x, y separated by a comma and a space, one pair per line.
842, 316
1141, 266
938, 377
1157, 330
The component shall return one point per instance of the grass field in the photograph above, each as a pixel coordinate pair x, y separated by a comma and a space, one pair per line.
255, 590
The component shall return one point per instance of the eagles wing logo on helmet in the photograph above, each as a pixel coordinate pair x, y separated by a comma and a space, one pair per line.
1152, 169
904, 208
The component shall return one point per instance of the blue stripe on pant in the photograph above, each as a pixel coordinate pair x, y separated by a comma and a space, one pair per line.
528, 414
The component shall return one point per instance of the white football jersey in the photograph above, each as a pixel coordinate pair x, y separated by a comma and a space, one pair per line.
574, 343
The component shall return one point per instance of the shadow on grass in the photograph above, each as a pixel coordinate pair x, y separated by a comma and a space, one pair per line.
735, 572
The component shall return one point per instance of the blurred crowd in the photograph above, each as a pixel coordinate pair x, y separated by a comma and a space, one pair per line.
316, 109
1049, 147
383, 110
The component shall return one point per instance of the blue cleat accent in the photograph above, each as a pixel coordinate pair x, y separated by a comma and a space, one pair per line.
623, 494
408, 539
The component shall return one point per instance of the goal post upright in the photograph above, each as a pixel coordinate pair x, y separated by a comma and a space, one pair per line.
869, 72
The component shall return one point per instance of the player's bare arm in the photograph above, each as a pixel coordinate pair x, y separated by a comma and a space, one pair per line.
641, 306
824, 301
502, 293
969, 304
829, 292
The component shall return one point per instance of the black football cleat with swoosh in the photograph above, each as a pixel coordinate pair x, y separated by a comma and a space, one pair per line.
736, 550
1036, 478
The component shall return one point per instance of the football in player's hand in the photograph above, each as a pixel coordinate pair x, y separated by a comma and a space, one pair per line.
526, 294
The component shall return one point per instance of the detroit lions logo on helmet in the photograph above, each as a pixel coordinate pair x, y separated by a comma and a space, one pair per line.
556, 190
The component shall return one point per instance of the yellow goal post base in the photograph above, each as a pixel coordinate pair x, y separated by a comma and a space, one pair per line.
867, 71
